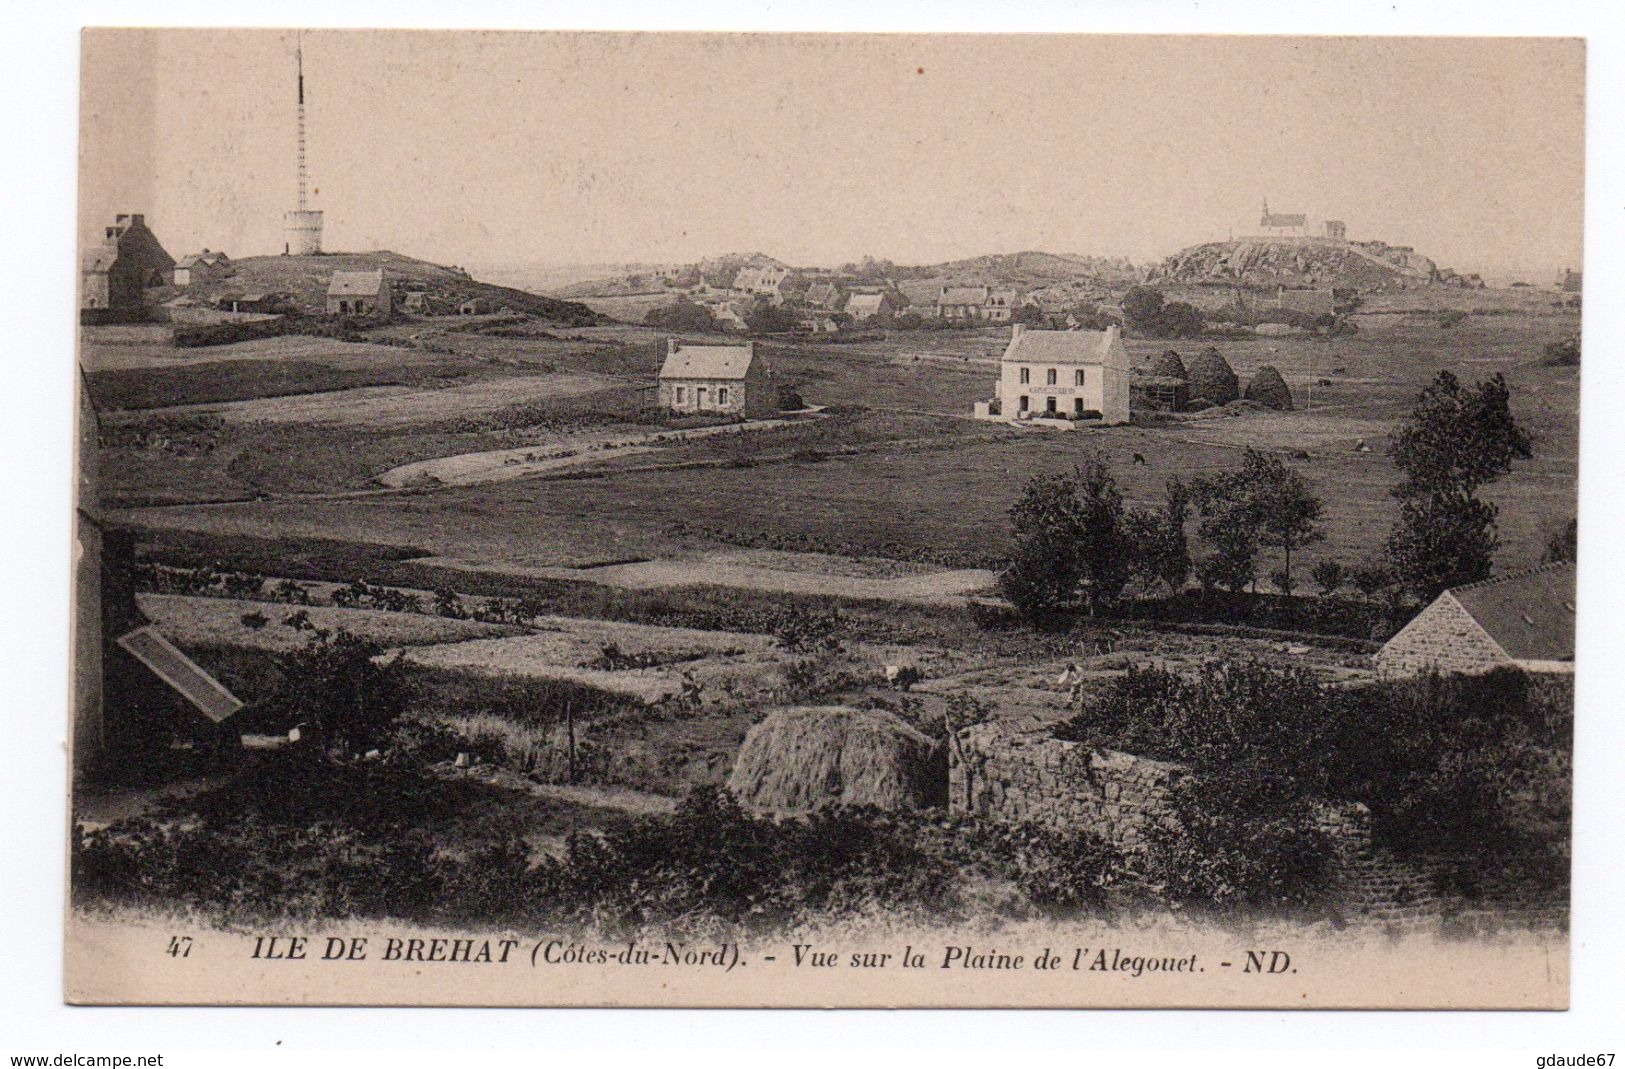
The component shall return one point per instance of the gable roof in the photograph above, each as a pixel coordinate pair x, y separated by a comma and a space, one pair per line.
1060, 346
356, 283
865, 303
98, 258
821, 293
1529, 614
708, 362
193, 259
1280, 219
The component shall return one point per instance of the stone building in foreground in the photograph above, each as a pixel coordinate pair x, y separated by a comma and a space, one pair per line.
1520, 619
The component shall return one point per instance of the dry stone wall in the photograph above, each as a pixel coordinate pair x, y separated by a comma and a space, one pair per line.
1030, 777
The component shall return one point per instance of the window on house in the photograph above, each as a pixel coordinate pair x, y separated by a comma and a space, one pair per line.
700, 395
1024, 402
1077, 377
682, 395
722, 395
1026, 376
1049, 377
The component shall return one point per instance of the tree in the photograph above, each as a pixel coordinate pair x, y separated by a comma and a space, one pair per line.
767, 318
1157, 537
1070, 540
682, 315
1262, 503
1443, 540
1142, 308
1180, 320
1329, 575
1456, 440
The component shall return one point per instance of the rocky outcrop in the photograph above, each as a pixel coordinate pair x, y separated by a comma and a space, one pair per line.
1313, 263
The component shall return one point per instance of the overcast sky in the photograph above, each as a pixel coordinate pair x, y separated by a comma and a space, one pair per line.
552, 149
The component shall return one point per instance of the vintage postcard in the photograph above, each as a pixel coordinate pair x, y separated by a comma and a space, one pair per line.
632, 519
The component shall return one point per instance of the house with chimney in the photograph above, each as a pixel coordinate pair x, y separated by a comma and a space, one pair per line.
723, 380
1061, 378
125, 274
200, 268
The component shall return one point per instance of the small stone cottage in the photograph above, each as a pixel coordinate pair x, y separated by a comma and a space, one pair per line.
1521, 619
716, 379
358, 293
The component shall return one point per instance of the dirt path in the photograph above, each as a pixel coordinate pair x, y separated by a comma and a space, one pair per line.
499, 465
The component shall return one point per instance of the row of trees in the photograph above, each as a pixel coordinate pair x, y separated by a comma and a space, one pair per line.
1076, 541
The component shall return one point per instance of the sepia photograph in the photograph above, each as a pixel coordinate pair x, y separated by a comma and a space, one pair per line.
842, 519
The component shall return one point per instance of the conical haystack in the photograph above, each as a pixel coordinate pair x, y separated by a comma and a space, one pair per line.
1212, 377
1169, 366
1269, 389
797, 760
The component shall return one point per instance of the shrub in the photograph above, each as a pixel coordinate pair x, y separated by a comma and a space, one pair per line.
334, 685
1329, 575
1565, 353
1451, 318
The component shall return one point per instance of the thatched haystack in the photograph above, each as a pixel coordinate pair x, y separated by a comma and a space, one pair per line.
1169, 366
1212, 377
797, 760
1269, 389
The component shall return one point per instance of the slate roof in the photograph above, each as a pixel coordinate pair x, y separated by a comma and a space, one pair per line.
821, 293
1060, 347
1279, 219
1530, 614
864, 304
98, 258
707, 362
356, 283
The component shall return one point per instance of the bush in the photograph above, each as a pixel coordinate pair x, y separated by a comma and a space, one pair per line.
1329, 575
1565, 353
1451, 318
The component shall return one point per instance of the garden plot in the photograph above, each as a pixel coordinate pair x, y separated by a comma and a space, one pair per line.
813, 574
204, 621
651, 664
399, 406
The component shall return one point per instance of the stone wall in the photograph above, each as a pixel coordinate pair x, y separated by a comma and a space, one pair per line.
1022, 777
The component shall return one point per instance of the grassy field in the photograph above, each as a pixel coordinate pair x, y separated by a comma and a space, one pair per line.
901, 475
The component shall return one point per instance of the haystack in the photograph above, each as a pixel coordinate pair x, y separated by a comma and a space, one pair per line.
1212, 377
1169, 366
1269, 389
797, 760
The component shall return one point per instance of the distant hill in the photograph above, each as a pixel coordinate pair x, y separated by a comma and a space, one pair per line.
1366, 265
306, 279
1034, 266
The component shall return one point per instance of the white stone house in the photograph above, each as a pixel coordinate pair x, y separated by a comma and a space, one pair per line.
763, 281
1521, 619
716, 380
1061, 375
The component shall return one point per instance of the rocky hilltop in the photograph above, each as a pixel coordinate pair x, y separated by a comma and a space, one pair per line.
1366, 265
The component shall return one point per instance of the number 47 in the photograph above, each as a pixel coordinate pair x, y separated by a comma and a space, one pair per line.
180, 946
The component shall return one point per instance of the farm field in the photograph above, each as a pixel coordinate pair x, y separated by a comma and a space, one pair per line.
902, 475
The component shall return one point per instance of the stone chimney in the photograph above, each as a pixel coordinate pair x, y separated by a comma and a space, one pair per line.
671, 346
1017, 330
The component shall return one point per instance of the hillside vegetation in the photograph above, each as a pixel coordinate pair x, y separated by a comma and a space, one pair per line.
306, 279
